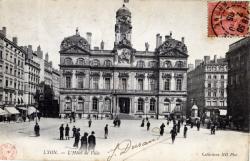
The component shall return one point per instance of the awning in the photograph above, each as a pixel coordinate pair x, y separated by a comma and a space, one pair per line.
2, 112
22, 108
223, 112
31, 110
11, 110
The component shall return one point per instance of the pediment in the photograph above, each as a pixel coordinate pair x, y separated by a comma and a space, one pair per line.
173, 53
74, 50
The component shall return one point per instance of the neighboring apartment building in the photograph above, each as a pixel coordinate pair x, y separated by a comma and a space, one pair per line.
56, 83
207, 88
238, 58
12, 62
123, 80
31, 74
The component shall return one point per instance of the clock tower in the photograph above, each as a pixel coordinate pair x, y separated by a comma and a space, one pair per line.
123, 27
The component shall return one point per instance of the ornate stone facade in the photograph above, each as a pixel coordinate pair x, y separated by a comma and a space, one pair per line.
123, 80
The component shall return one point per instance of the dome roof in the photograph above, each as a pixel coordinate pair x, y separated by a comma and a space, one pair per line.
123, 11
75, 40
194, 107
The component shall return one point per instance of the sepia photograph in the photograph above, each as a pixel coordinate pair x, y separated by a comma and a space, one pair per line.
124, 80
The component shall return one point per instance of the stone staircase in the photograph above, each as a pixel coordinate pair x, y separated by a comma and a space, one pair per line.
124, 116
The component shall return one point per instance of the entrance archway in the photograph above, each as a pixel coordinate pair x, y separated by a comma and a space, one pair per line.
124, 104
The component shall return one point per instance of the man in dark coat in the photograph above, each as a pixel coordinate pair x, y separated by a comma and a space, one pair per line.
74, 131
173, 135
115, 122
61, 129
37, 129
90, 122
185, 131
106, 131
178, 126
148, 125
84, 142
118, 122
92, 142
67, 132
142, 122
162, 129
198, 125
77, 138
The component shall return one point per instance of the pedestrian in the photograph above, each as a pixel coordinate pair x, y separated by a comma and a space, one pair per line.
198, 125
185, 131
106, 131
39, 116
142, 123
118, 122
178, 126
162, 129
70, 119
191, 124
115, 122
168, 122
92, 142
84, 142
148, 125
37, 129
212, 129
146, 118
77, 138
74, 131
175, 128
173, 135
61, 129
90, 122
67, 132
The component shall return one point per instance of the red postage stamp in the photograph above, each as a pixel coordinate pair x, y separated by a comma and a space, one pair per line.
228, 18
7, 152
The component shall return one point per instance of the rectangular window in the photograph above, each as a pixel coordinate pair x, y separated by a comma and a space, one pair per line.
107, 83
124, 83
167, 85
6, 82
140, 84
222, 103
222, 84
214, 103
152, 84
178, 84
208, 103
215, 93
209, 85
1, 54
95, 82
222, 76
209, 93
68, 82
7, 69
80, 82
222, 93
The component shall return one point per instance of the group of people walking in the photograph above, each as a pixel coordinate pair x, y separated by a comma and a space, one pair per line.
88, 143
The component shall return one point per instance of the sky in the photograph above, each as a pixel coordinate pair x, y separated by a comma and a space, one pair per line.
48, 22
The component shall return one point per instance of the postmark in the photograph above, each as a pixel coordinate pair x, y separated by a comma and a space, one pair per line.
7, 151
228, 19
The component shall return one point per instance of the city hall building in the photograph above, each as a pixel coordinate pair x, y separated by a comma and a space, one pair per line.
123, 81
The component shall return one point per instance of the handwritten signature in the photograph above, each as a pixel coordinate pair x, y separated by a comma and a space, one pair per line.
126, 146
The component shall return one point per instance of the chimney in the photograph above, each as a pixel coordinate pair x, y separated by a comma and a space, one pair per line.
14, 39
102, 45
170, 34
89, 35
167, 37
160, 40
182, 39
206, 59
157, 40
47, 57
215, 58
4, 31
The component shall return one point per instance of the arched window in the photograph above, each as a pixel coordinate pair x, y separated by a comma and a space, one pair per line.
140, 64
107, 63
68, 61
80, 104
107, 106
96, 62
80, 61
167, 84
167, 107
167, 64
152, 104
179, 64
94, 104
178, 105
68, 103
140, 104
